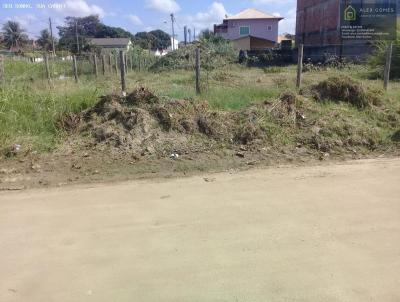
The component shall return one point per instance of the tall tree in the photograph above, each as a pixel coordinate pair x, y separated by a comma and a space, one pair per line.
44, 40
13, 35
156, 39
162, 39
86, 27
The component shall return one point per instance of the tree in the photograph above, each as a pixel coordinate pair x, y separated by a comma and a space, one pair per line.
378, 60
162, 39
13, 35
44, 40
156, 39
87, 27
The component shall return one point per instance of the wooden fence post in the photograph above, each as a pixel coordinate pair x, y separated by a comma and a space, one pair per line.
116, 63
75, 69
198, 88
131, 62
388, 66
96, 72
2, 75
300, 65
110, 62
126, 63
103, 64
46, 62
122, 67
139, 62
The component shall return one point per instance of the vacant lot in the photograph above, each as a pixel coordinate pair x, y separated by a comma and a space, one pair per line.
245, 116
323, 233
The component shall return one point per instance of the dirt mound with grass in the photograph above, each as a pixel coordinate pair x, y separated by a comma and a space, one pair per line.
142, 121
345, 89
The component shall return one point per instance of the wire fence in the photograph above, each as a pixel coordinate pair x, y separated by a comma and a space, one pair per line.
83, 66
200, 62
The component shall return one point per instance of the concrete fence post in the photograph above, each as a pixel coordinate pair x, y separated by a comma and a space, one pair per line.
300, 65
123, 73
198, 88
388, 66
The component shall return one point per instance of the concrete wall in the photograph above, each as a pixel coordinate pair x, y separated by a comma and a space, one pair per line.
258, 28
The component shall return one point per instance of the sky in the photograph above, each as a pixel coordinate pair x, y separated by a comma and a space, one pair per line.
141, 15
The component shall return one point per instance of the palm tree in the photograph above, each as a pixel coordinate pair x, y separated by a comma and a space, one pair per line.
44, 40
14, 35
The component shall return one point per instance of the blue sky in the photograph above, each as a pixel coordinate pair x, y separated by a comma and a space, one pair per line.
141, 15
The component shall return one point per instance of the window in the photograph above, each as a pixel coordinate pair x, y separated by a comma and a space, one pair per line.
269, 28
244, 30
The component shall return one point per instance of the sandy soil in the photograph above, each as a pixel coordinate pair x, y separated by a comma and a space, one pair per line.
321, 233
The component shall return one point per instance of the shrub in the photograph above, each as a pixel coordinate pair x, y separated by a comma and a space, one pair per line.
345, 89
378, 59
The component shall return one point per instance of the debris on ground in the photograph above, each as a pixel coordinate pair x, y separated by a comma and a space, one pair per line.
345, 89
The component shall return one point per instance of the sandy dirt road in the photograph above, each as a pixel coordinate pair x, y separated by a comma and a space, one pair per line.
329, 233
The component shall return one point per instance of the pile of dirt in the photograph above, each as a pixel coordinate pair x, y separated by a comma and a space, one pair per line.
345, 89
142, 121
145, 124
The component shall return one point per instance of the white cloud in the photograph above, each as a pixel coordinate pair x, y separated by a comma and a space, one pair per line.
79, 8
135, 19
25, 21
164, 6
288, 25
203, 20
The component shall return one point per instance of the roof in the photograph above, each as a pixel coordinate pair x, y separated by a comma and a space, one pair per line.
110, 41
253, 38
252, 13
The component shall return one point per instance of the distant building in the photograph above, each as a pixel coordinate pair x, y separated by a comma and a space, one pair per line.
112, 43
250, 29
175, 43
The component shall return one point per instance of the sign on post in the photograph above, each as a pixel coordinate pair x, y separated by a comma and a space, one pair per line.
368, 20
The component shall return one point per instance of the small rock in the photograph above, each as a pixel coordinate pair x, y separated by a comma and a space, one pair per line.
76, 166
243, 148
209, 179
252, 163
43, 182
150, 150
240, 154
35, 167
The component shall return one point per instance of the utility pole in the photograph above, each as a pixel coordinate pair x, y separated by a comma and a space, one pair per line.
190, 35
52, 38
194, 34
185, 34
173, 32
77, 37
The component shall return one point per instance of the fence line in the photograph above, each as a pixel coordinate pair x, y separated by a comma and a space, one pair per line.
86, 65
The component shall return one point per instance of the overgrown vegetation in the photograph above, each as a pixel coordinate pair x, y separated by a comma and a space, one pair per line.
216, 52
348, 114
345, 89
378, 60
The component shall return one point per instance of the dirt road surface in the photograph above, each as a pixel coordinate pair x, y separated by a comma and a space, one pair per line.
323, 233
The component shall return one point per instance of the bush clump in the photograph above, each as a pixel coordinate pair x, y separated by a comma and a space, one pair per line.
345, 89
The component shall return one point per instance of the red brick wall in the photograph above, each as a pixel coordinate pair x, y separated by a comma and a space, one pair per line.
317, 22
